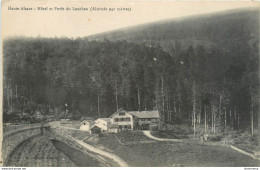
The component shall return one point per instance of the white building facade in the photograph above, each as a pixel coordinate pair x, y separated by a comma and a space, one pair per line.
103, 123
84, 125
123, 119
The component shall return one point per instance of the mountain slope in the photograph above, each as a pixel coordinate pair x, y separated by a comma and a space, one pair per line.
220, 29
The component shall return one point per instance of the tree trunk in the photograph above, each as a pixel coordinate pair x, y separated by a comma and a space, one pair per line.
179, 106
116, 97
30, 94
214, 121
199, 118
231, 119
219, 109
192, 121
16, 95
138, 97
168, 109
205, 117
194, 109
175, 111
98, 106
212, 118
225, 120
238, 122
11, 100
235, 123
252, 119
162, 94
179, 98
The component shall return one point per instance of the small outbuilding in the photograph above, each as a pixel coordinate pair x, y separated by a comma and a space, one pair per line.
103, 123
95, 130
85, 125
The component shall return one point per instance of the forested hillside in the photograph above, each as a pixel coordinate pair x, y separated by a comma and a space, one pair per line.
222, 30
216, 85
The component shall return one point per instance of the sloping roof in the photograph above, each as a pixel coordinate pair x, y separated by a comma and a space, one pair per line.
121, 109
105, 119
86, 121
145, 114
95, 126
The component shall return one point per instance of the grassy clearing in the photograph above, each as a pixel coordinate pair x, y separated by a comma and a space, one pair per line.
138, 150
78, 157
169, 153
241, 139
71, 124
75, 133
165, 134
244, 140
132, 136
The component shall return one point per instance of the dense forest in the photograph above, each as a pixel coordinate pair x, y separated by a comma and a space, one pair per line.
215, 87
97, 78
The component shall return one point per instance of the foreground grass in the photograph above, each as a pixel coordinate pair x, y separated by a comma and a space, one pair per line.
146, 152
165, 134
239, 138
139, 150
245, 141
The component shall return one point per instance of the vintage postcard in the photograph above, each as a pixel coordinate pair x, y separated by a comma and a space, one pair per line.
130, 84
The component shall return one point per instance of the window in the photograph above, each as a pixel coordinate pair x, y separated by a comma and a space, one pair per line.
154, 120
122, 114
127, 119
142, 119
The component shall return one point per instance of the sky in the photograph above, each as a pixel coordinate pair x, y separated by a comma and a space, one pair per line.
73, 24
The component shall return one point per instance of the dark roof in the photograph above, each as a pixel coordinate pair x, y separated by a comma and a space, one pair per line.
95, 126
140, 114
145, 114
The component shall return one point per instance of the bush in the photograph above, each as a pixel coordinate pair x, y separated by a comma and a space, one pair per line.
214, 138
154, 128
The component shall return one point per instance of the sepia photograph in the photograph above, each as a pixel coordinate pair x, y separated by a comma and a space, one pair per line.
130, 84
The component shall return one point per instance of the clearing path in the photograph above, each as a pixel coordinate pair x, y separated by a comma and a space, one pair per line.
167, 153
114, 157
149, 135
